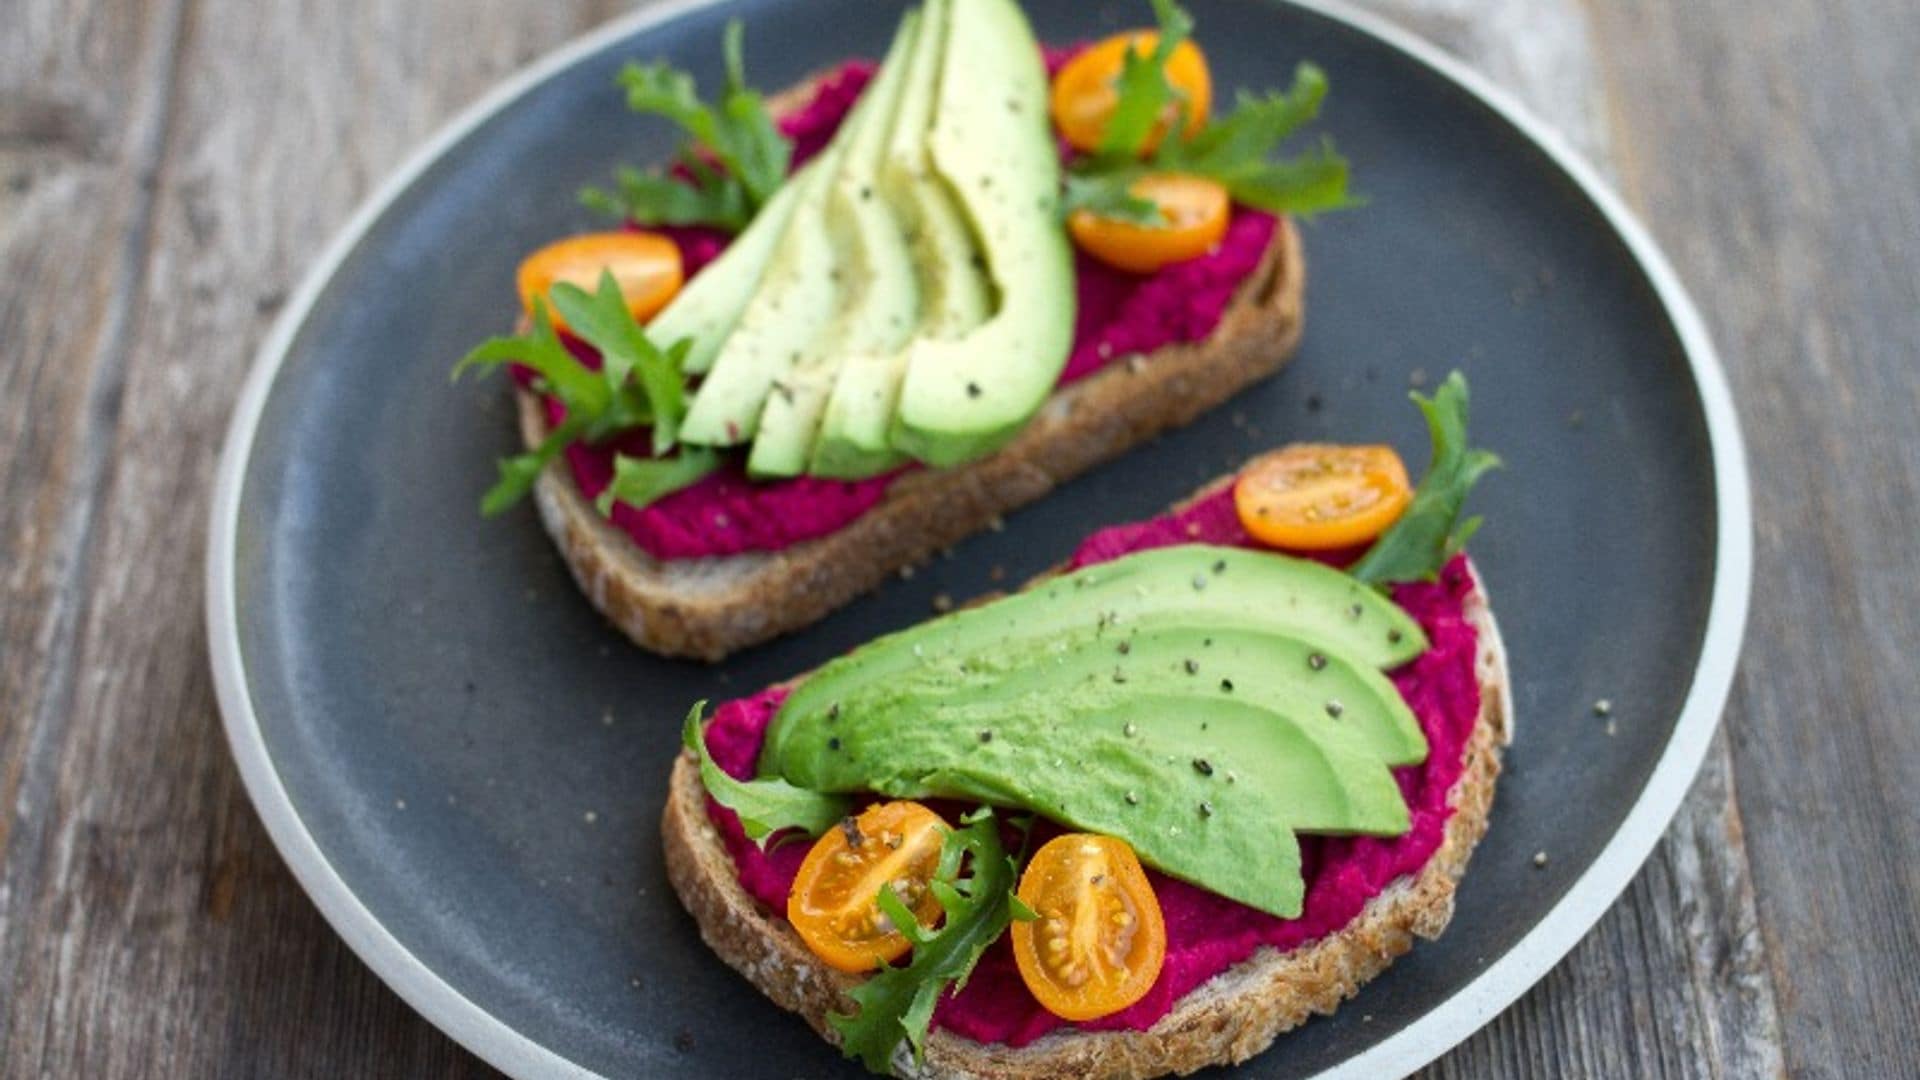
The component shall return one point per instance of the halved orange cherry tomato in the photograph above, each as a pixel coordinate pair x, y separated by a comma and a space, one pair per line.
646, 265
1321, 497
1100, 940
1195, 210
1085, 94
890, 845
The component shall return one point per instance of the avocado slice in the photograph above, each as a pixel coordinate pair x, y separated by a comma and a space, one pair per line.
794, 303
1210, 791
992, 143
880, 298
1197, 585
951, 279
1278, 672
1202, 703
705, 311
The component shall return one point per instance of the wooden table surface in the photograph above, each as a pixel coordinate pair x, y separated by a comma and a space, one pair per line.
169, 168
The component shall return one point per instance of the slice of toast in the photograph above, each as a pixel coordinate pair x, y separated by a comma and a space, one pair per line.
1227, 1020
710, 607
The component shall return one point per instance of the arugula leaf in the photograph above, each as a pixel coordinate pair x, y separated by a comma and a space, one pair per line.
1107, 195
603, 320
1258, 123
1425, 537
752, 145
765, 807
518, 473
1144, 89
637, 385
540, 349
585, 393
651, 199
736, 158
1235, 150
1309, 183
639, 481
897, 1003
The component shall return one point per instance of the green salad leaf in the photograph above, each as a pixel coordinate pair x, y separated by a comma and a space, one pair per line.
638, 481
1145, 92
1236, 150
638, 385
765, 806
734, 161
1426, 536
897, 1003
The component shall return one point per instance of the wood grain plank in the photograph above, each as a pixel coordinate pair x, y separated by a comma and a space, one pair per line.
148, 919
82, 122
1777, 155
1672, 981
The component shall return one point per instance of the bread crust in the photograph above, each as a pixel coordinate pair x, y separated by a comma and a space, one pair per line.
708, 608
1226, 1020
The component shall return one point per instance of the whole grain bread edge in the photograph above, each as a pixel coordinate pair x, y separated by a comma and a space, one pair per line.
709, 607
1226, 1020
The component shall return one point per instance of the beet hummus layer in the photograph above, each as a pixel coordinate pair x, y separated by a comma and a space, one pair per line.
1118, 314
1206, 933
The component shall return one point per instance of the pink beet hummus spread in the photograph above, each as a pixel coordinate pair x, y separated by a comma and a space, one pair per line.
1118, 314
1206, 933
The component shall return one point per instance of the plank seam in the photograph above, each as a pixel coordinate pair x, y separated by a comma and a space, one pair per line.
72, 597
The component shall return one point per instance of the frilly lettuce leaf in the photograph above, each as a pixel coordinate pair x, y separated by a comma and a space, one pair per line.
638, 481
1426, 536
765, 806
734, 160
638, 385
1144, 90
897, 1003
1236, 150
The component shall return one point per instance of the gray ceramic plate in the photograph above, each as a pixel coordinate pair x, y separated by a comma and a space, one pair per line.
464, 765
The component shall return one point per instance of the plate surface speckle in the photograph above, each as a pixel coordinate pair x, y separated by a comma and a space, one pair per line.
465, 765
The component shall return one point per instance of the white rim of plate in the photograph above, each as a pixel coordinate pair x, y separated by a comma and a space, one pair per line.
1421, 1041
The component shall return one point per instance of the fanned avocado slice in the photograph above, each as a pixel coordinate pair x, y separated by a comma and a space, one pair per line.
1278, 672
706, 311
879, 297
993, 146
1202, 703
955, 295
1210, 790
1198, 584
795, 301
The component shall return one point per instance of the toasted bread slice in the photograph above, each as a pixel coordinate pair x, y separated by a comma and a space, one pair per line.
1228, 1019
707, 608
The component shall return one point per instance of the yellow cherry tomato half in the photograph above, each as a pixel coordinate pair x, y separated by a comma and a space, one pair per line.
1100, 940
1321, 497
1195, 212
1085, 92
833, 901
646, 265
